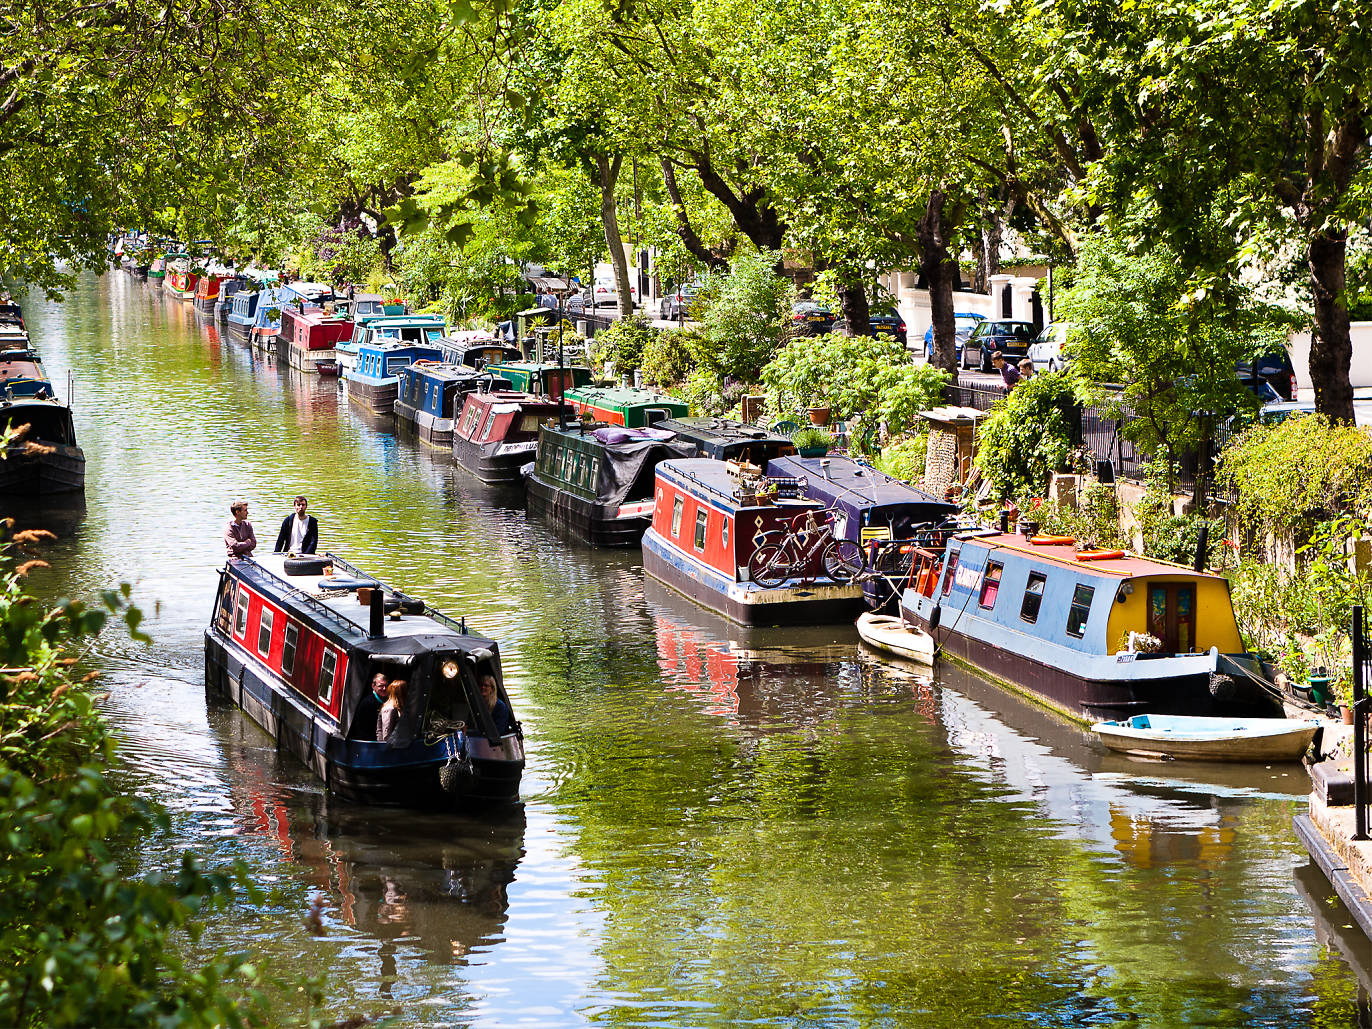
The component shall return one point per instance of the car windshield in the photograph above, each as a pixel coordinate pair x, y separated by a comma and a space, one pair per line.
966, 320
806, 307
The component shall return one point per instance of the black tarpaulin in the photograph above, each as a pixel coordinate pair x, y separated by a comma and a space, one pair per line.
630, 457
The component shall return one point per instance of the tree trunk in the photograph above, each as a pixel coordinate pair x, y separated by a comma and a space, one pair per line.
684, 229
1331, 345
939, 269
607, 172
856, 314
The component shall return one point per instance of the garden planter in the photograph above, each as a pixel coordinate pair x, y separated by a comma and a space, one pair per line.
1346, 713
812, 451
819, 415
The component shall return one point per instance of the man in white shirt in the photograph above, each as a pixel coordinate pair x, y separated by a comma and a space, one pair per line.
299, 532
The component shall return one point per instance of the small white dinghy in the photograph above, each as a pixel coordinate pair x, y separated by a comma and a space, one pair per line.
1200, 738
889, 633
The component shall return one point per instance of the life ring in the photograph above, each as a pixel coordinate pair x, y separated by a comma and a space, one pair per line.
1099, 555
346, 582
1053, 541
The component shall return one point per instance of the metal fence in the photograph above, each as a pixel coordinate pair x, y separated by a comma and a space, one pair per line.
1362, 667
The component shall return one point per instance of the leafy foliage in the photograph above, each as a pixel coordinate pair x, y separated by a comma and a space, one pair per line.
1027, 436
669, 356
904, 458
743, 318
624, 343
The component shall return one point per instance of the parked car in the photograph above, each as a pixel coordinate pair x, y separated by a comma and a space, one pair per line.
811, 319
1010, 337
677, 304
606, 293
883, 321
1274, 369
964, 322
1046, 351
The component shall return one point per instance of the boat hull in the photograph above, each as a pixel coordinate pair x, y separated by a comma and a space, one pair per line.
745, 602
377, 398
238, 330
496, 465
308, 361
1279, 743
355, 771
433, 432
63, 470
596, 524
890, 634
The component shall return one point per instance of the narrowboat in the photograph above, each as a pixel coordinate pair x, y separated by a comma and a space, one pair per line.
373, 383
888, 518
410, 328
726, 440
243, 312
313, 336
710, 525
180, 281
597, 483
497, 433
207, 290
158, 269
223, 303
295, 643
1072, 628
543, 380
362, 305
45, 459
297, 298
431, 395
478, 350
266, 319
623, 405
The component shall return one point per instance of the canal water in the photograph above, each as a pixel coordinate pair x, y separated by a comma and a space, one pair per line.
719, 827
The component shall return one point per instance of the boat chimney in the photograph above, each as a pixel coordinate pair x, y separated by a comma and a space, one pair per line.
1202, 547
378, 612
824, 467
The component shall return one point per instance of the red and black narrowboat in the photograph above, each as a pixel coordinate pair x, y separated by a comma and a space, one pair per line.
311, 336
497, 433
292, 644
207, 291
709, 522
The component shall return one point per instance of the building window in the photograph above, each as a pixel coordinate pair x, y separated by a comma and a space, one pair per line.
702, 520
1080, 610
990, 584
240, 625
264, 632
1033, 597
490, 422
952, 570
328, 662
676, 516
288, 645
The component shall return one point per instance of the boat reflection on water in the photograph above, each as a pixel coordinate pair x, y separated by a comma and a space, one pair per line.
1336, 930
63, 516
438, 884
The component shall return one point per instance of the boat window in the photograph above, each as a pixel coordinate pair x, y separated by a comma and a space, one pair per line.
226, 609
240, 625
591, 469
676, 516
328, 663
394, 365
264, 632
948, 576
990, 583
1080, 611
1033, 597
490, 421
702, 519
724, 531
288, 645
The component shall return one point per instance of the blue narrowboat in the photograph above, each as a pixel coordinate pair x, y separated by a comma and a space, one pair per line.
712, 524
45, 458
430, 396
1095, 635
726, 440
597, 482
295, 643
409, 328
478, 350
889, 519
373, 383
243, 311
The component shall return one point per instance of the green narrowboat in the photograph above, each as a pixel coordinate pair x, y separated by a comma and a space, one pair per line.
622, 405
543, 380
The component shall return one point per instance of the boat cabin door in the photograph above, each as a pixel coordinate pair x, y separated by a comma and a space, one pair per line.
1172, 615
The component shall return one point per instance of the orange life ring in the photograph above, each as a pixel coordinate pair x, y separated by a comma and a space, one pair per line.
1099, 555
1052, 541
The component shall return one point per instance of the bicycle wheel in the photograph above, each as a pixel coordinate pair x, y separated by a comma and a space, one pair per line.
769, 566
842, 560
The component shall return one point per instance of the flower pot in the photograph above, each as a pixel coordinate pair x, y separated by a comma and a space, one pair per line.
1347, 714
819, 415
1319, 690
819, 451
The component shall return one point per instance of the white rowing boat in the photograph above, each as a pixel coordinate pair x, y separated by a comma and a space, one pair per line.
889, 633
1205, 738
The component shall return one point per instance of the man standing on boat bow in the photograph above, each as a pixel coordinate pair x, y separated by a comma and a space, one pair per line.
299, 532
239, 538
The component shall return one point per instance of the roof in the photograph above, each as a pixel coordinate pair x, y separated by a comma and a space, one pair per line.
1127, 567
724, 429
402, 320
621, 396
954, 415
854, 483
390, 345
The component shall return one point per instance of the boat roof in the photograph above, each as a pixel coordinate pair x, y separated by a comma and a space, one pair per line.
457, 372
389, 345
26, 367
622, 397
1065, 554
715, 477
378, 321
546, 366
337, 613
842, 480
512, 399
720, 430
310, 290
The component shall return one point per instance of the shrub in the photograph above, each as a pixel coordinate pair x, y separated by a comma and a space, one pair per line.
669, 357
624, 343
905, 458
744, 315
1094, 522
1027, 436
809, 436
1168, 536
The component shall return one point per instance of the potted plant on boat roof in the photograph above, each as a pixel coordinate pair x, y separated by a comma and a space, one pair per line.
812, 441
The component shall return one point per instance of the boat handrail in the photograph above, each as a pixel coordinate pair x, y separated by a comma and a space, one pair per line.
313, 603
436, 615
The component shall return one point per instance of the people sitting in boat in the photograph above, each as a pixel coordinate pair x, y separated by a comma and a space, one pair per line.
388, 718
239, 538
500, 711
366, 718
299, 532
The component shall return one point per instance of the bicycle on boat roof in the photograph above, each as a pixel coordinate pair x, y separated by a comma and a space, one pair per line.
782, 555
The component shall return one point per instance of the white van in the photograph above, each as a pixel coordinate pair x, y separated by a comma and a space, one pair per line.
604, 292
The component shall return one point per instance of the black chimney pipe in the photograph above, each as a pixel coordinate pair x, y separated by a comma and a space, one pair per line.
1202, 546
378, 628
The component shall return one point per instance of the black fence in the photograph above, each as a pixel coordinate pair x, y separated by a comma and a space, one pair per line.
1362, 666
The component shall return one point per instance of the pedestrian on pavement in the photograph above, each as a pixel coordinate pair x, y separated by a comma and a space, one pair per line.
1009, 374
1026, 369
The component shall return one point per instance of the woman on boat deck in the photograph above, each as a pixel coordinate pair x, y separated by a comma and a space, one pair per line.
388, 718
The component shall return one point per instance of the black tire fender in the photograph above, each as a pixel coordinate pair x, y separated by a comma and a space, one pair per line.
306, 564
934, 617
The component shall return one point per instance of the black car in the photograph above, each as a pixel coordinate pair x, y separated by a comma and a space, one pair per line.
1011, 338
1274, 369
811, 319
883, 321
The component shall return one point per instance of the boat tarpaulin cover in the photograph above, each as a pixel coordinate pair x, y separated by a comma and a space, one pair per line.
627, 453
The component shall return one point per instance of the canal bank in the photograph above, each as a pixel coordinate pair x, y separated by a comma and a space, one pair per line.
718, 825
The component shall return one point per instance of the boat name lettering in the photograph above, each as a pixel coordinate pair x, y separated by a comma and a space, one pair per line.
966, 576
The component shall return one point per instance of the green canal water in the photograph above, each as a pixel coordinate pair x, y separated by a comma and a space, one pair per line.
719, 827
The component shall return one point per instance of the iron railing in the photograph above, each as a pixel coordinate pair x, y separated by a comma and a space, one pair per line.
1362, 664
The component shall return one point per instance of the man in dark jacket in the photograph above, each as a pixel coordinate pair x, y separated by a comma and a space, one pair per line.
299, 532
